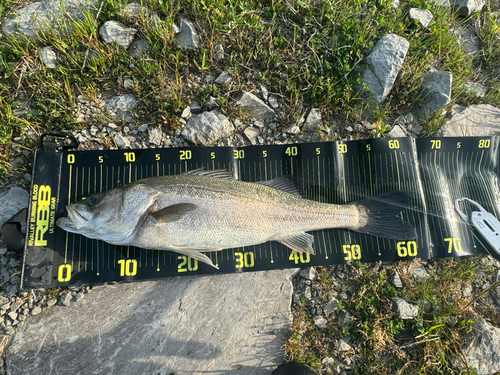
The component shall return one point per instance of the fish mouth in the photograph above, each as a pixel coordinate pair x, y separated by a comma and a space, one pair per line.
78, 218
66, 223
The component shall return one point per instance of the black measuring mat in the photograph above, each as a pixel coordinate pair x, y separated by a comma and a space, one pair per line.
436, 170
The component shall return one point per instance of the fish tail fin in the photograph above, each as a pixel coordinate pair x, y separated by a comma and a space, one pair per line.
381, 215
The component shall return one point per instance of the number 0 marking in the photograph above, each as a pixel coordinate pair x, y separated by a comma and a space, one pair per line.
71, 158
64, 273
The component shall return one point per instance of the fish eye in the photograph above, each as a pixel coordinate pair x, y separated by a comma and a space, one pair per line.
94, 200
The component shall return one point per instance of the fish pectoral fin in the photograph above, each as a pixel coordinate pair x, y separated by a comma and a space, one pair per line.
196, 254
173, 212
301, 242
283, 183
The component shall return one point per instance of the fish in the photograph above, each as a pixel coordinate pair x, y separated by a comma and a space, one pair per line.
209, 210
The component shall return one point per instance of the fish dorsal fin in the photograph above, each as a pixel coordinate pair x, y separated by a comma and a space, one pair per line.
217, 173
301, 242
284, 183
173, 212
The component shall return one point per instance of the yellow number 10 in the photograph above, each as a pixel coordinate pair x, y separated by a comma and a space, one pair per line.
128, 267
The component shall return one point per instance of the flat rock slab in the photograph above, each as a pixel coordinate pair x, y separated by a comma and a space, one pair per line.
476, 120
225, 324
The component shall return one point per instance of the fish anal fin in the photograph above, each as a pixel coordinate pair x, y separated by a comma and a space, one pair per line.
283, 183
301, 242
173, 212
196, 254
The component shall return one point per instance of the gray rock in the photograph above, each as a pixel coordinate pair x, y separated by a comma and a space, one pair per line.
3, 250
343, 346
422, 16
467, 7
15, 279
121, 105
48, 57
273, 101
135, 9
16, 163
252, 133
195, 107
155, 136
255, 107
211, 103
483, 352
293, 129
36, 310
187, 36
383, 65
65, 299
397, 131
12, 315
469, 42
188, 325
309, 273
320, 322
313, 121
223, 78
79, 296
51, 302
331, 306
186, 113
476, 88
117, 32
345, 318
33, 18
219, 51
121, 141
476, 120
396, 280
138, 48
263, 92
15, 200
143, 128
437, 91
406, 310
207, 128
128, 84
418, 272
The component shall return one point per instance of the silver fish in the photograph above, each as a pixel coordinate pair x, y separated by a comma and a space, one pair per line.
200, 211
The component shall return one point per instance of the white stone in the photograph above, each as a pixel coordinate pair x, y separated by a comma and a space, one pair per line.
423, 16
437, 91
12, 202
343, 346
313, 121
406, 310
187, 36
418, 272
223, 78
252, 133
42, 15
189, 324
476, 120
155, 136
476, 88
49, 57
383, 65
207, 128
121, 105
121, 141
255, 107
117, 32
467, 7
320, 322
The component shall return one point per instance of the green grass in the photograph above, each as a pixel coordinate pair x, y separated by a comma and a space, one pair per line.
384, 343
